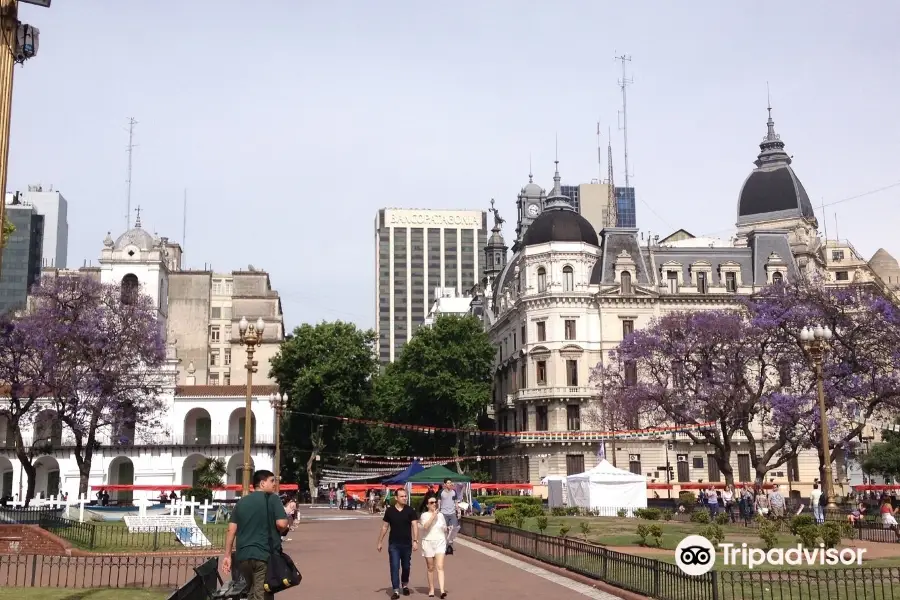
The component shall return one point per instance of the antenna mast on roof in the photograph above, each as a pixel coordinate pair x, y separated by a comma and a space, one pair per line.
612, 208
130, 149
184, 223
624, 83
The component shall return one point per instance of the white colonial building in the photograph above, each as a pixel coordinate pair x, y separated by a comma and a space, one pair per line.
567, 296
200, 421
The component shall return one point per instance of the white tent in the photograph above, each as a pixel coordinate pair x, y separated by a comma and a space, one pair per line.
607, 489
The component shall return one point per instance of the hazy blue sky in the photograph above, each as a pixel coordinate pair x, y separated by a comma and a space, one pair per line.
291, 122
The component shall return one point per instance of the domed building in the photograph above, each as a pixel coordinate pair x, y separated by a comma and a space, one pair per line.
567, 296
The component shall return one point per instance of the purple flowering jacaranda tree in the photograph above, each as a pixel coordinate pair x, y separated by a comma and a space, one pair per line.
861, 369
102, 347
695, 367
21, 373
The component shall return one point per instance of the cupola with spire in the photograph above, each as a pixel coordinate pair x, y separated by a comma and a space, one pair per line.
559, 222
772, 192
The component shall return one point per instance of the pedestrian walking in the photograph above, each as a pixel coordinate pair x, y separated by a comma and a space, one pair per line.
402, 522
434, 544
449, 505
258, 521
815, 502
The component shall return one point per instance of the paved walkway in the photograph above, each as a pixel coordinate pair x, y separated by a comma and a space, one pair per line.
338, 559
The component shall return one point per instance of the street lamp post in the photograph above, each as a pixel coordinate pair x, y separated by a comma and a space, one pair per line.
815, 341
251, 337
18, 43
278, 402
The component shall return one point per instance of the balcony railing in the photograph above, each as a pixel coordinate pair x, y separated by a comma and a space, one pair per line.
540, 392
141, 440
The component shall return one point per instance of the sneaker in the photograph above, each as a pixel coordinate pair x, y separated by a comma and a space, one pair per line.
449, 548
395, 595
405, 591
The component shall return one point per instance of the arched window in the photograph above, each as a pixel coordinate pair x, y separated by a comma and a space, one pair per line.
129, 288
626, 282
542, 279
568, 279
777, 277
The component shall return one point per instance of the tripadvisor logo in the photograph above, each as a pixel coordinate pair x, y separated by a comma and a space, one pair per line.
695, 555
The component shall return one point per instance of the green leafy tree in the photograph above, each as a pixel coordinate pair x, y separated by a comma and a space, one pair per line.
327, 369
883, 458
442, 378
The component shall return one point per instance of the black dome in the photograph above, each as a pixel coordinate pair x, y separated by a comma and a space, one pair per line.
774, 191
560, 225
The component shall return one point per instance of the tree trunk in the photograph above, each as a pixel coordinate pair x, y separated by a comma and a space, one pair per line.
311, 477
27, 466
457, 450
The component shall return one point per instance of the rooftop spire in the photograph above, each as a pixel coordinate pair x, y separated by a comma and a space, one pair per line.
137, 221
771, 149
556, 198
530, 174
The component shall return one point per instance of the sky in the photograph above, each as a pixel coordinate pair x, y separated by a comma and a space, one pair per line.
290, 125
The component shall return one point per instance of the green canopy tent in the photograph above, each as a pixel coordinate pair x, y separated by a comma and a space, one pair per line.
439, 474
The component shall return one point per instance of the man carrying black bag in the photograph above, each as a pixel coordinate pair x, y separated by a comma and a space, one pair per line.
258, 520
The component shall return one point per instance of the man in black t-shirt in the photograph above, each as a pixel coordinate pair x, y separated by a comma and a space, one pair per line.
402, 521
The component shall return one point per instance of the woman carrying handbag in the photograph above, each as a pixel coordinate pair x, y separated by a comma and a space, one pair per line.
434, 545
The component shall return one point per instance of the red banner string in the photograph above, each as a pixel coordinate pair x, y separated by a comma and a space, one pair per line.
537, 435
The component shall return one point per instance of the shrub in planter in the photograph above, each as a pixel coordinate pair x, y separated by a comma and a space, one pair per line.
564, 530
542, 523
656, 533
689, 499
723, 518
621, 512
585, 528
667, 514
529, 510
643, 532
559, 511
768, 533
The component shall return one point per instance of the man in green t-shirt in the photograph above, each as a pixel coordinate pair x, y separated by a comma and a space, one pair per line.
257, 520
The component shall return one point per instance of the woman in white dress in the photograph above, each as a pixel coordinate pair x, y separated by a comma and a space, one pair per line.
434, 545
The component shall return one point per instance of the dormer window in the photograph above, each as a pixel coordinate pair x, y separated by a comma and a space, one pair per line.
702, 283
626, 282
731, 281
568, 279
542, 280
672, 281
777, 278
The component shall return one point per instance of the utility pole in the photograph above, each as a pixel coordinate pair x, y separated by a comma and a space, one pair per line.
20, 42
8, 25
624, 83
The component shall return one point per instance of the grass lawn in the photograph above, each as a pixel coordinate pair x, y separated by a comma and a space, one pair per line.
621, 533
86, 594
115, 537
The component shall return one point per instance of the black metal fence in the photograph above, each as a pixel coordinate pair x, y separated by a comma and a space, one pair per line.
32, 570
117, 538
658, 579
633, 573
26, 516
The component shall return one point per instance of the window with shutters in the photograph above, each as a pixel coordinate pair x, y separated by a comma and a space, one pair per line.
570, 329
744, 467
541, 331
672, 281
541, 372
634, 464
714, 475
627, 327
542, 420
626, 282
573, 417
542, 279
568, 279
572, 373
574, 464
702, 284
731, 281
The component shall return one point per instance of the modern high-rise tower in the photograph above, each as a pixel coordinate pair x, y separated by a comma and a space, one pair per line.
418, 251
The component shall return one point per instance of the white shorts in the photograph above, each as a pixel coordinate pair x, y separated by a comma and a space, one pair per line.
888, 520
430, 548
